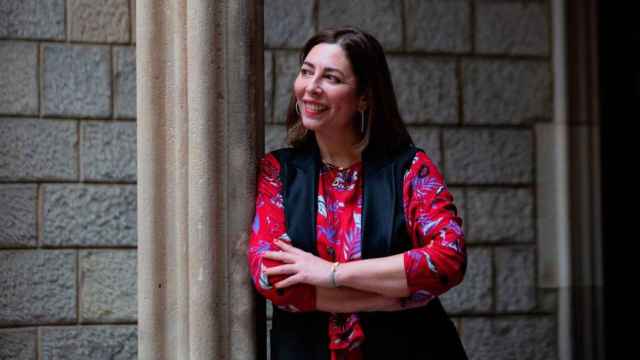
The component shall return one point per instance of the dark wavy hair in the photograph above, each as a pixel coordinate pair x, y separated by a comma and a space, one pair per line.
385, 131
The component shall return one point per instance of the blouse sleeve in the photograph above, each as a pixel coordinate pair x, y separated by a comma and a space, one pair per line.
438, 259
269, 224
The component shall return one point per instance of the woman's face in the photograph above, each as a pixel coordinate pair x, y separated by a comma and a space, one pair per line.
326, 90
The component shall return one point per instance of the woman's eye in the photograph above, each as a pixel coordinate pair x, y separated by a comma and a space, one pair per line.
305, 72
333, 78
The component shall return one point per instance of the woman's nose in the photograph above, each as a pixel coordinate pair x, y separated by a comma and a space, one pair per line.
313, 86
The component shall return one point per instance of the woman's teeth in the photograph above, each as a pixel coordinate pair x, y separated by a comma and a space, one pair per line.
315, 107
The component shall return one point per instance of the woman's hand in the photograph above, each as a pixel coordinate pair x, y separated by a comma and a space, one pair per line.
302, 266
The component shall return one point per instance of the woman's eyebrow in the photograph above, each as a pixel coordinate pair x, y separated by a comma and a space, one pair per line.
328, 69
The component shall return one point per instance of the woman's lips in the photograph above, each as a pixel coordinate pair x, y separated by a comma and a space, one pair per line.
311, 109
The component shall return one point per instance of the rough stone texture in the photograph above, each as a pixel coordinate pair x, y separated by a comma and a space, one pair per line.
476, 156
77, 81
38, 149
32, 19
515, 278
426, 89
382, 18
522, 338
512, 28
37, 287
18, 215
89, 215
106, 20
108, 151
268, 87
428, 139
500, 215
133, 21
506, 92
438, 25
125, 82
287, 23
287, 67
474, 294
115, 342
18, 344
275, 137
18, 78
108, 286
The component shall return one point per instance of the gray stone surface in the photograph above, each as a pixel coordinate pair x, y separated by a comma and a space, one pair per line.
426, 89
288, 23
105, 21
275, 137
38, 149
77, 80
89, 215
428, 139
438, 25
515, 278
37, 287
382, 18
268, 87
32, 19
18, 215
479, 156
114, 342
287, 67
474, 294
108, 285
506, 91
522, 338
132, 8
125, 82
18, 344
499, 215
460, 201
512, 28
108, 151
18, 78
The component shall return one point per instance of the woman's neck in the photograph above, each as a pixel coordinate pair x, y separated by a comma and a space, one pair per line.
338, 150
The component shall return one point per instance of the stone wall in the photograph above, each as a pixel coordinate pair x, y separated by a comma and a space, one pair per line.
67, 180
472, 78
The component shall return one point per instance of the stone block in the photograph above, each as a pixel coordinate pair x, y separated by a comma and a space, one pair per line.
18, 344
38, 149
275, 137
18, 78
102, 21
382, 18
18, 215
32, 19
268, 87
523, 338
428, 139
108, 151
475, 293
501, 215
287, 66
515, 278
288, 23
512, 28
125, 82
117, 342
426, 89
483, 156
37, 287
438, 25
506, 92
89, 215
77, 81
108, 285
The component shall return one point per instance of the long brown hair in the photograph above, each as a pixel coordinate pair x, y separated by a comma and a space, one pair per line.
384, 130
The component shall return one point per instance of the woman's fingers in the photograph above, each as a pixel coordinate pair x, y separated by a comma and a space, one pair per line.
280, 270
291, 280
286, 246
279, 255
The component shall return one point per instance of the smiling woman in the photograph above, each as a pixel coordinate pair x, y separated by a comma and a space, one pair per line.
355, 232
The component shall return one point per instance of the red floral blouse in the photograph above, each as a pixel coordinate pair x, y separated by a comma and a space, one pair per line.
434, 265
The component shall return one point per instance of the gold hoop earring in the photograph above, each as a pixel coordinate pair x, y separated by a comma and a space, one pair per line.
297, 109
362, 121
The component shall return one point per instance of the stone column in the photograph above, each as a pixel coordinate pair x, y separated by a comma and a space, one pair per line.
200, 130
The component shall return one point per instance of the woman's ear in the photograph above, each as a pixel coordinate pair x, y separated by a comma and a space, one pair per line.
362, 103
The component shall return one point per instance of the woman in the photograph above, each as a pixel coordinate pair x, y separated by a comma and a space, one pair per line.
355, 233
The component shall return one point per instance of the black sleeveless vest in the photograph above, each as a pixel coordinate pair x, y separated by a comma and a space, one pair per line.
422, 333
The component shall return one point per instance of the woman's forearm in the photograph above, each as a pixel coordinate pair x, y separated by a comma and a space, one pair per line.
384, 276
347, 300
